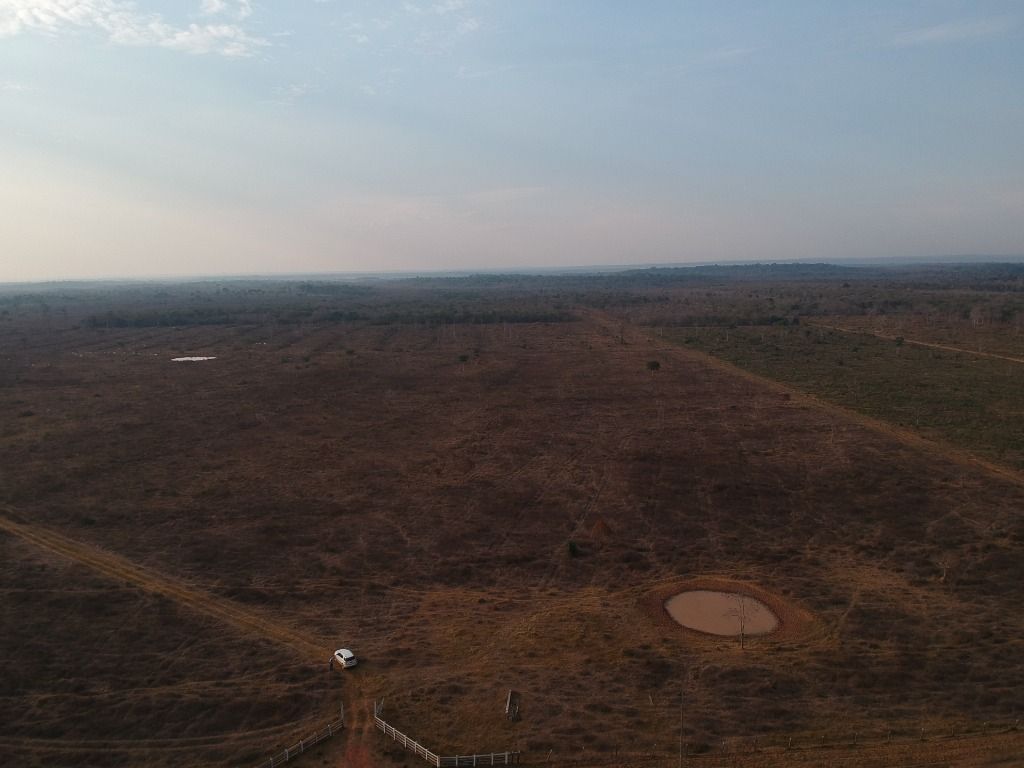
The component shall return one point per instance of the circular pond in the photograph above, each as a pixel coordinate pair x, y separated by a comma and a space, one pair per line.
721, 613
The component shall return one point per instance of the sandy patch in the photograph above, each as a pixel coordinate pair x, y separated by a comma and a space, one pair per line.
793, 622
721, 613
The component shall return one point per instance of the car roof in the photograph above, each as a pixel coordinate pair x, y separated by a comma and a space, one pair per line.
344, 652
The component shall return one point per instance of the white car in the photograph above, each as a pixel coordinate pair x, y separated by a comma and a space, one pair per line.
345, 658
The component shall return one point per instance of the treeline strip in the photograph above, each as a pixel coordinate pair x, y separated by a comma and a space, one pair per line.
220, 317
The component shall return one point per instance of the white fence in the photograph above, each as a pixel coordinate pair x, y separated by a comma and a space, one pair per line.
456, 761
308, 743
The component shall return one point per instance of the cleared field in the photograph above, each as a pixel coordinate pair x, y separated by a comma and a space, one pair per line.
983, 336
99, 673
478, 507
959, 398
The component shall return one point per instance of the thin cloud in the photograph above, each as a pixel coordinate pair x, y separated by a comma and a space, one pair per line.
449, 6
240, 9
423, 28
719, 58
955, 32
287, 95
467, 73
213, 7
123, 24
467, 25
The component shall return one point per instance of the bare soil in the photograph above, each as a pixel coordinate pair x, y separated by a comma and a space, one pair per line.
721, 613
473, 508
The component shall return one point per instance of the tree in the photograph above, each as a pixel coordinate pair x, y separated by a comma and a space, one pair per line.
653, 365
744, 609
947, 562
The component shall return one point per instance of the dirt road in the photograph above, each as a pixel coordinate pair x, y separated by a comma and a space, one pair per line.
915, 342
120, 569
637, 334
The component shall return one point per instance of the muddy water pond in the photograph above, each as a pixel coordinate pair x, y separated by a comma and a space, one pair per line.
721, 613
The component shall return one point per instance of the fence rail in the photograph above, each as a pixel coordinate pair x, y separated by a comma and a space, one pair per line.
492, 758
308, 743
456, 761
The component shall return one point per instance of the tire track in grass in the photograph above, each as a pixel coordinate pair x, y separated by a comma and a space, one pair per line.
900, 435
198, 600
117, 568
914, 342
231, 740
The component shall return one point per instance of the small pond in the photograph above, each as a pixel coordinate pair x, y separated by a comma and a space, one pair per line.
721, 613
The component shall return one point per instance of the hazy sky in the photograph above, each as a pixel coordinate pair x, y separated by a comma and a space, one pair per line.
254, 136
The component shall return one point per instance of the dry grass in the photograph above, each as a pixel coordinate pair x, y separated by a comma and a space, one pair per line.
981, 336
967, 401
100, 673
366, 485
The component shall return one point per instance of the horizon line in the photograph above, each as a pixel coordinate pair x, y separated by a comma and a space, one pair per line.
584, 269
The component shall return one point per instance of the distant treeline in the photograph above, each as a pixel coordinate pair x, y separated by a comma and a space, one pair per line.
740, 272
167, 318
630, 279
384, 316
729, 322
324, 288
975, 276
750, 294
454, 317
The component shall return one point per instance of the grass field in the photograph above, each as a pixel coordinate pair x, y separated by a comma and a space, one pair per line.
100, 673
965, 400
475, 507
984, 337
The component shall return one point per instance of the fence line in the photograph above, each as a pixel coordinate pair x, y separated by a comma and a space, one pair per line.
455, 761
308, 743
807, 742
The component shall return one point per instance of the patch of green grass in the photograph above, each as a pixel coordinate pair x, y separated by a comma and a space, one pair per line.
975, 403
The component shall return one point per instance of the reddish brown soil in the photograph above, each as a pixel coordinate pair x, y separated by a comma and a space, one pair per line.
796, 624
362, 486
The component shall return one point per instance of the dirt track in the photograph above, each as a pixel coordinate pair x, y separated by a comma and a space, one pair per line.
135, 746
433, 605
905, 436
192, 598
917, 343
198, 600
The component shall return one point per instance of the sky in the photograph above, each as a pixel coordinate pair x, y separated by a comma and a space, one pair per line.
211, 137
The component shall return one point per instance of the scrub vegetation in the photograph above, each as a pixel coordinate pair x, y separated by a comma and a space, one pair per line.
970, 401
483, 484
